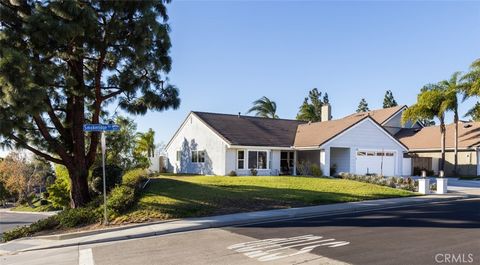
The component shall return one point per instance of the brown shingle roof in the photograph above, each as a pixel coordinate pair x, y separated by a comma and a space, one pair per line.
380, 115
317, 133
429, 137
251, 131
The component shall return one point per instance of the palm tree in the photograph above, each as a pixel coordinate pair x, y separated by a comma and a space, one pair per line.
264, 107
307, 112
146, 143
429, 106
471, 87
451, 88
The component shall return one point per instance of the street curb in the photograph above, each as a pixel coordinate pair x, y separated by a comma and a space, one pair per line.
199, 225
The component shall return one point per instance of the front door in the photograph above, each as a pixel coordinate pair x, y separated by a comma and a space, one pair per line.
286, 162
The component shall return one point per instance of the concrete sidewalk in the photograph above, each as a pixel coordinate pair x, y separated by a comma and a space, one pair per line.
190, 224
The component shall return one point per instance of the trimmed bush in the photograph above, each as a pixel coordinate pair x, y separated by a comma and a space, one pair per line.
23, 231
59, 191
232, 173
113, 177
316, 171
77, 217
134, 178
393, 182
121, 198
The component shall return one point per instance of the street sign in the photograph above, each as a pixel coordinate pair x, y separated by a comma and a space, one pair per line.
101, 127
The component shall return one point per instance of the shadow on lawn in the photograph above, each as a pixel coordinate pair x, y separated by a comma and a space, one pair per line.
193, 199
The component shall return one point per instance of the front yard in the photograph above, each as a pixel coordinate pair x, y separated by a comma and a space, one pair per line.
169, 197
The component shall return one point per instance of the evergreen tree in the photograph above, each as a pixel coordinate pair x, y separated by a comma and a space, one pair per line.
63, 62
325, 99
363, 106
389, 100
311, 108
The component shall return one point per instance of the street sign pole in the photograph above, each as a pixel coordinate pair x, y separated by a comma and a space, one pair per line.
104, 144
103, 128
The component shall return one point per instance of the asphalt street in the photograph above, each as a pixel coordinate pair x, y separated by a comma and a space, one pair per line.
10, 220
425, 234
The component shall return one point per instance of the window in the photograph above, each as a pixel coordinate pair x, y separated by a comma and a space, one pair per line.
198, 156
361, 154
179, 155
389, 154
257, 159
370, 153
201, 156
286, 162
241, 159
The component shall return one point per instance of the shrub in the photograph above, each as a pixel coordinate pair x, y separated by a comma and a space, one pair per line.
121, 198
43, 202
113, 177
134, 178
253, 171
59, 191
418, 171
232, 173
316, 171
44, 224
78, 216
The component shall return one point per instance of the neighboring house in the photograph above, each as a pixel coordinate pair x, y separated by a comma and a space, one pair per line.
425, 145
217, 144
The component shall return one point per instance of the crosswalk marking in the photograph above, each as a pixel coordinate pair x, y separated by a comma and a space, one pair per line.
277, 248
85, 257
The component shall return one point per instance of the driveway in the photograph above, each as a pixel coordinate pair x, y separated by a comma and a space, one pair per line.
9, 220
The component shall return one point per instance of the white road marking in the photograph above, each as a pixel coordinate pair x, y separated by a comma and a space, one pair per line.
85, 257
277, 248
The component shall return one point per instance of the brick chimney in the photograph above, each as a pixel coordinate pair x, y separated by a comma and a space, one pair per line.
326, 112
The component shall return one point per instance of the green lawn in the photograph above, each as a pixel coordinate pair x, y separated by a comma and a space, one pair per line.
169, 197
37, 207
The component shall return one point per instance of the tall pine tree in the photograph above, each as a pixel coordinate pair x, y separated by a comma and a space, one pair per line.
63, 62
311, 108
389, 100
363, 106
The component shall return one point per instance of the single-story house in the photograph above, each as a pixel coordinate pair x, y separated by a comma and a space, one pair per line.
424, 146
373, 142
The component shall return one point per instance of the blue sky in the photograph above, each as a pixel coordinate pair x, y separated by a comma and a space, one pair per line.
227, 54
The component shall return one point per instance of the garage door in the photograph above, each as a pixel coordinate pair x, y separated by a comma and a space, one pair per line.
375, 162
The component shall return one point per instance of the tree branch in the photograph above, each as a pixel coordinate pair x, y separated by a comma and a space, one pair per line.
46, 134
35, 151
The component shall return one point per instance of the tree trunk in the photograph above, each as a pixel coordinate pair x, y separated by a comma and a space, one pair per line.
455, 169
442, 132
79, 194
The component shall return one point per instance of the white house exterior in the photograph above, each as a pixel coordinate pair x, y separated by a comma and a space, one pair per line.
363, 143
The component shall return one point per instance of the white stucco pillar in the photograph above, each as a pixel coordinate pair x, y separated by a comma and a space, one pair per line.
442, 185
295, 163
325, 161
424, 186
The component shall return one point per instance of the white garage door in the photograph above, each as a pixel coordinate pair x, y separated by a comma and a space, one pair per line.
375, 162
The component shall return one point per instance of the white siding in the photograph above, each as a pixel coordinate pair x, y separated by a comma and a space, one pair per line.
478, 162
407, 167
367, 136
195, 135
